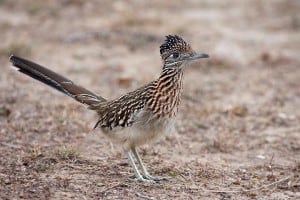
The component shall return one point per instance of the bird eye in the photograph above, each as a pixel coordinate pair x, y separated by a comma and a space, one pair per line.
174, 55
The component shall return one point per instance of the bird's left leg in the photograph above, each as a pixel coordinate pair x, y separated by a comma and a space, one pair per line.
145, 172
137, 174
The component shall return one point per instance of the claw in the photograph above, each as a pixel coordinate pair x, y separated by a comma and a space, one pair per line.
154, 178
142, 179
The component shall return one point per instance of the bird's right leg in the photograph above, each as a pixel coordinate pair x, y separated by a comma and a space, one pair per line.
144, 170
137, 174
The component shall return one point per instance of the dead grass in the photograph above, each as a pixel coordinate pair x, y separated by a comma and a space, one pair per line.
16, 49
67, 153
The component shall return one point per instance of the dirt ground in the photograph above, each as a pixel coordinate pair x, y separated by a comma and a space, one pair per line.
238, 128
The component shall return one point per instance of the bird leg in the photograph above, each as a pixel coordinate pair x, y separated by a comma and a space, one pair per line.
137, 174
145, 172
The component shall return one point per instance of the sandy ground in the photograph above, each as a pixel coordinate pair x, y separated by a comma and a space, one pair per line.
238, 130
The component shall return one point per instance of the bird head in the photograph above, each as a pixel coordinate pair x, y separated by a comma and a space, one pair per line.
175, 52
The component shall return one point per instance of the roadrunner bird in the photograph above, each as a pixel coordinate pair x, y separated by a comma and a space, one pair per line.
137, 117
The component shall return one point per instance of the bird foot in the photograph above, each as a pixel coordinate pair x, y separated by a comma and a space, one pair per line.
154, 178
141, 179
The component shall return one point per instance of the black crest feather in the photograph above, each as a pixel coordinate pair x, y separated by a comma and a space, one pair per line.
173, 43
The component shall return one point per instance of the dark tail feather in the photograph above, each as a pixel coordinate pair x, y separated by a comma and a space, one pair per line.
55, 81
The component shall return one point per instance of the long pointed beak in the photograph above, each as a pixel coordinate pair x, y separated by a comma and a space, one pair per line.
196, 56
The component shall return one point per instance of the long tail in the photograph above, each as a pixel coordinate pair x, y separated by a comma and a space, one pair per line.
55, 81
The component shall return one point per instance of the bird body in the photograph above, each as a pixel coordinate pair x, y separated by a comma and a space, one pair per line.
144, 114
137, 117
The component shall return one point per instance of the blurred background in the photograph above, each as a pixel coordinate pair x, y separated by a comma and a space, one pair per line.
238, 126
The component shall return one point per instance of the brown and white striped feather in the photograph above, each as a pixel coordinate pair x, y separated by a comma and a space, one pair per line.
144, 114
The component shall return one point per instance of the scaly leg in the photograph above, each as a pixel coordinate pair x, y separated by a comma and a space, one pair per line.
137, 174
144, 170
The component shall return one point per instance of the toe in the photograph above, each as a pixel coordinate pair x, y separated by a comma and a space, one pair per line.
141, 179
154, 178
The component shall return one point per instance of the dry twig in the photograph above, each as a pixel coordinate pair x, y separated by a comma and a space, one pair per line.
252, 190
144, 196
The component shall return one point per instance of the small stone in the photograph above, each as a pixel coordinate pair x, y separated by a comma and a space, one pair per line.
7, 181
237, 110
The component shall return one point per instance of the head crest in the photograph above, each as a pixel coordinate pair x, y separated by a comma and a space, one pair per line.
172, 44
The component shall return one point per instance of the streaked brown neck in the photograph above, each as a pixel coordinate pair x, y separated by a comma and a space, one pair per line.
168, 92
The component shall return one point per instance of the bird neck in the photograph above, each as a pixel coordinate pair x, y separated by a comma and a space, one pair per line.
170, 79
168, 92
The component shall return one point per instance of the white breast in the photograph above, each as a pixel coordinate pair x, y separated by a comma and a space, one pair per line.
144, 130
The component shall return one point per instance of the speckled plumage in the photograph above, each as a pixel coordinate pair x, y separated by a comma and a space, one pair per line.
139, 116
149, 110
174, 44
